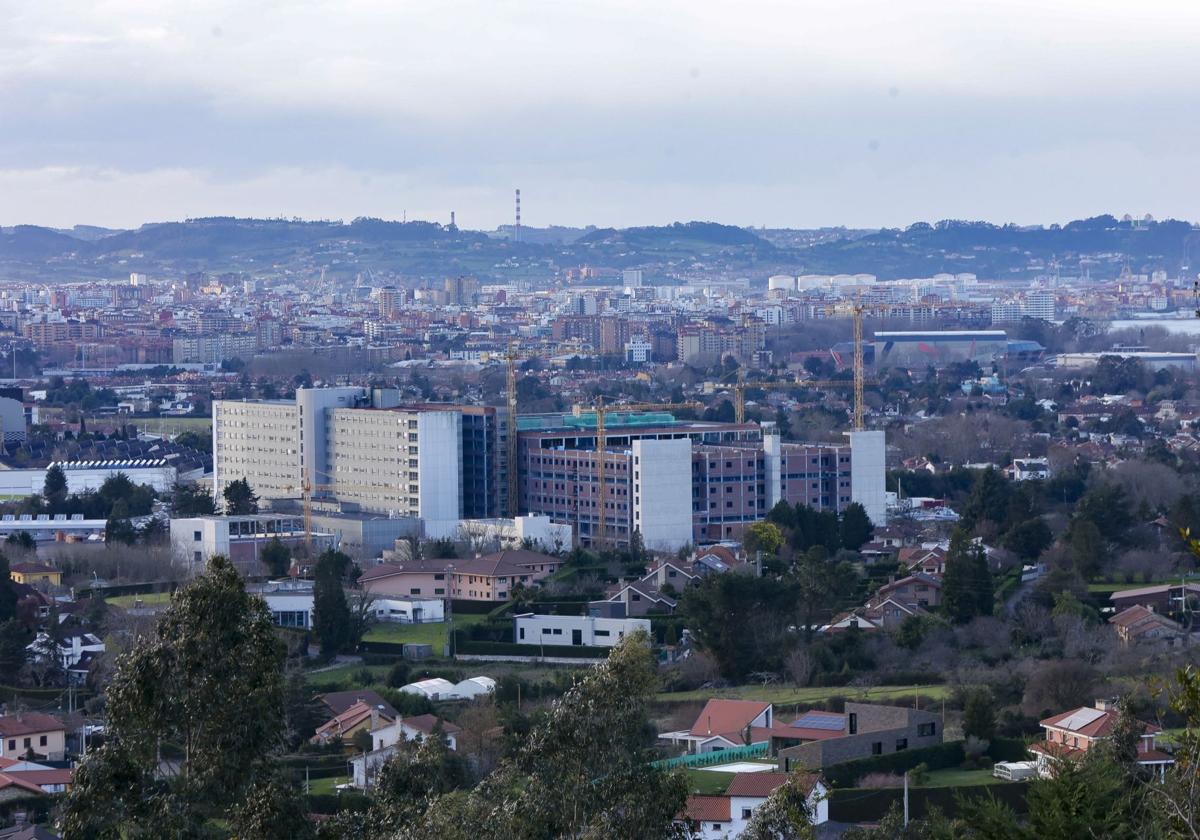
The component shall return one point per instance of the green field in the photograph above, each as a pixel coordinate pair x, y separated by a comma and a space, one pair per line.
784, 695
953, 777
710, 782
347, 677
149, 599
419, 634
319, 786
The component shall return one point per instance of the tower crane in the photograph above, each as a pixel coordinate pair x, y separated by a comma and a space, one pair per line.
601, 411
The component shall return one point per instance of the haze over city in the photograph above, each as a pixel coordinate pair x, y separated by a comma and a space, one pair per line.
860, 113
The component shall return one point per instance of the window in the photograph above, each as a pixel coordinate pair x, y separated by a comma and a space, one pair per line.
877, 748
416, 590
557, 631
601, 632
925, 730
716, 826
439, 591
522, 632
746, 813
853, 728
28, 743
42, 741
12, 745
195, 536
901, 744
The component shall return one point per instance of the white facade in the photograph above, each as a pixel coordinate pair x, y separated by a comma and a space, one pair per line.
638, 350
90, 475
440, 468
575, 630
662, 498
409, 610
541, 531
868, 474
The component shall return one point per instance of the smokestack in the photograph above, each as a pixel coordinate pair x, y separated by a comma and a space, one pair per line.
517, 229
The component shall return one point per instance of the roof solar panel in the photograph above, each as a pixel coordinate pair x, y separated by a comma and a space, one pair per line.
833, 724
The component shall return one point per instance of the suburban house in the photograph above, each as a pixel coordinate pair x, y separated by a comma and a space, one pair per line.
633, 599
916, 590
726, 816
727, 724
574, 630
1139, 625
490, 577
926, 560
645, 595
1163, 599
864, 730
21, 778
1073, 733
69, 651
365, 768
360, 717
35, 574
32, 732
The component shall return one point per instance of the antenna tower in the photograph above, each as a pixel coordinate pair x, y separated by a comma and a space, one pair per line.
517, 230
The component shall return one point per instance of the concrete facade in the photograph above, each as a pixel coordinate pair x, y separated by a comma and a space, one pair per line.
662, 507
870, 730
575, 630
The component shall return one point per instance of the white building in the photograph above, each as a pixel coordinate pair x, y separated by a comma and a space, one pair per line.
868, 474
727, 816
574, 630
83, 476
440, 689
661, 512
638, 351
540, 531
290, 601
409, 610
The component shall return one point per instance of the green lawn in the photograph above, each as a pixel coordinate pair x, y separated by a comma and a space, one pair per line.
346, 677
953, 777
149, 599
319, 786
420, 634
784, 695
711, 782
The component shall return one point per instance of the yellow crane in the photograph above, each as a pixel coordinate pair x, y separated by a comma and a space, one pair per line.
601, 411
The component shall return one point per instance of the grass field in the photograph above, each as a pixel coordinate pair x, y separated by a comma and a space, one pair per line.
149, 599
419, 634
319, 786
710, 782
783, 695
347, 676
953, 777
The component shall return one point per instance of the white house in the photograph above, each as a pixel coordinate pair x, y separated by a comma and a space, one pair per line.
69, 651
726, 817
364, 768
575, 630
410, 610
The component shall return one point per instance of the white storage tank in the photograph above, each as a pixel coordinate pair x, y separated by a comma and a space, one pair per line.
781, 282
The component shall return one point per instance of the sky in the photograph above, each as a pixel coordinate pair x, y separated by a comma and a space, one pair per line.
784, 113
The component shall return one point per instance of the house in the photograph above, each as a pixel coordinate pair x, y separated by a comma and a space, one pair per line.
1138, 624
917, 590
69, 651
360, 717
575, 630
889, 613
928, 560
290, 601
1029, 469
1163, 599
632, 599
410, 610
490, 577
35, 574
726, 724
338, 702
1073, 733
866, 730
22, 829
727, 816
365, 767
32, 733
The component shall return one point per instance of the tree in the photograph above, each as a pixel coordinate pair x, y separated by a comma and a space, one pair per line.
22, 540
967, 589
54, 488
8, 594
763, 536
988, 500
207, 680
786, 815
856, 527
331, 612
239, 498
190, 500
741, 620
979, 715
13, 655
118, 528
276, 557
821, 587
1029, 539
273, 809
1176, 801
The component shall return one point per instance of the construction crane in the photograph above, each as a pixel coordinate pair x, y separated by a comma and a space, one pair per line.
511, 357
601, 411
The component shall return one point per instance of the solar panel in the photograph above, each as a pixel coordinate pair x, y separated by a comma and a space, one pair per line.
827, 722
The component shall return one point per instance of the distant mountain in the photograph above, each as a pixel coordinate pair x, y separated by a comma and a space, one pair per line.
28, 242
688, 234
89, 233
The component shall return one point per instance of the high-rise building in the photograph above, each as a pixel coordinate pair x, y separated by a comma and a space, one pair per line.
632, 278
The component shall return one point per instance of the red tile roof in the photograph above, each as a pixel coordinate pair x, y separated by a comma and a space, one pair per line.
426, 723
1091, 723
721, 717
28, 724
347, 720
707, 809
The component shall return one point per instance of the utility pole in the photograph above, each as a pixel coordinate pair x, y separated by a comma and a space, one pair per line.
906, 798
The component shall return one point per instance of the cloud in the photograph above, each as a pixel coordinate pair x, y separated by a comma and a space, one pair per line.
620, 108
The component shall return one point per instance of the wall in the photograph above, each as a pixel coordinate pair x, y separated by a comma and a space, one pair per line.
662, 493
440, 468
882, 724
616, 629
868, 478
259, 442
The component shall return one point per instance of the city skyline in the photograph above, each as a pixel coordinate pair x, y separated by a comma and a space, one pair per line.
604, 114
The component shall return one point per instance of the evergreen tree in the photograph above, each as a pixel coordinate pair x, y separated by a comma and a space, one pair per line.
332, 623
13, 655
856, 527
967, 588
8, 594
988, 500
54, 488
240, 499
979, 715
276, 557
190, 500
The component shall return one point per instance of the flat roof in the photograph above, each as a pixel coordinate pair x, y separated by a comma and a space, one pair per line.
942, 334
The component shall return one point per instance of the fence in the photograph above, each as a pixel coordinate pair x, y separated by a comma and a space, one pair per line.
716, 757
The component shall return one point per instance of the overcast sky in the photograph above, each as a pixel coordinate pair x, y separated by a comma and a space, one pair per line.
609, 112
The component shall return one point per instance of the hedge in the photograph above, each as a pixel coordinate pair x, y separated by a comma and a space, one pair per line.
335, 803
463, 645
939, 757
852, 805
472, 607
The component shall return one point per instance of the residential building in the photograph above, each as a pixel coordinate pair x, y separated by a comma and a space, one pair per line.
32, 732
360, 717
727, 816
35, 574
575, 630
1163, 599
364, 769
1071, 734
1141, 625
865, 730
490, 577
409, 610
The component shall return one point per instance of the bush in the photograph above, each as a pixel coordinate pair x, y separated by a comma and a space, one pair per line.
335, 803
940, 757
398, 675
